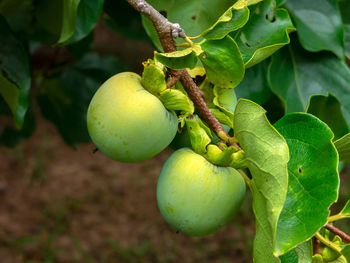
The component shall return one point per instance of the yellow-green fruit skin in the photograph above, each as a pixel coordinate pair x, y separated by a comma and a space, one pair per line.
196, 197
126, 122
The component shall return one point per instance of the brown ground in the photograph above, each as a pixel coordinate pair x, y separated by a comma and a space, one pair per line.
64, 205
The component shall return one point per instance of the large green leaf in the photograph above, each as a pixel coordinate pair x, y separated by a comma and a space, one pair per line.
15, 73
266, 31
328, 109
194, 16
313, 171
343, 148
255, 86
347, 40
295, 75
267, 155
223, 62
64, 99
69, 19
346, 252
88, 13
319, 25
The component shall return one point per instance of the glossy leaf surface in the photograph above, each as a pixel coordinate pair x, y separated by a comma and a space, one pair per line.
313, 171
15, 73
319, 25
267, 155
343, 148
328, 109
223, 62
266, 31
295, 75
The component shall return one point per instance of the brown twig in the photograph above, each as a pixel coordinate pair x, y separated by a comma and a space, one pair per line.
338, 232
175, 78
167, 31
316, 246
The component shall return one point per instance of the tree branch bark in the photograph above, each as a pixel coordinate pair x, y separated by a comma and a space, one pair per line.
167, 31
338, 232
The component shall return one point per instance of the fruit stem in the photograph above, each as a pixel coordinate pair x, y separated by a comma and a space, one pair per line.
338, 232
246, 179
167, 31
328, 243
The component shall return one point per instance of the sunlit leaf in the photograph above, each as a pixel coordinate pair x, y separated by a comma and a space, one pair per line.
267, 155
223, 62
266, 31
313, 171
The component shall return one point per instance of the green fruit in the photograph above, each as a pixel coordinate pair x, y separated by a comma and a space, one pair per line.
126, 122
196, 197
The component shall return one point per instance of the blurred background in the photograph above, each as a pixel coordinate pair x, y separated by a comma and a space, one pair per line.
59, 201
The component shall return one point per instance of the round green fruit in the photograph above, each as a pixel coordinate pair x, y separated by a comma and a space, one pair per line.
126, 122
196, 197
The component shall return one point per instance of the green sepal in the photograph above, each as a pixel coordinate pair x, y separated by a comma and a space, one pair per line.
222, 117
223, 62
317, 258
239, 160
153, 77
198, 136
180, 59
220, 157
343, 148
225, 100
233, 19
174, 99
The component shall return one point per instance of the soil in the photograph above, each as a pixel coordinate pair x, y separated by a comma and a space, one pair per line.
60, 204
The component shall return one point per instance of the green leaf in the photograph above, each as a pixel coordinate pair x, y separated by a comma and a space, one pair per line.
223, 62
153, 77
304, 252
124, 19
180, 59
64, 98
295, 75
301, 254
346, 210
225, 100
346, 252
267, 155
255, 86
151, 32
347, 40
319, 25
198, 136
234, 18
69, 19
222, 117
9, 136
194, 16
174, 99
87, 16
266, 32
15, 73
313, 171
328, 109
